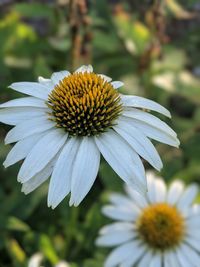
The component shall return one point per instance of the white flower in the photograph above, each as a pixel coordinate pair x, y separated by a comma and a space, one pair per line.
159, 230
36, 259
68, 120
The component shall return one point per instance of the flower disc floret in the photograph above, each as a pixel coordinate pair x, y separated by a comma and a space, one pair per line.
84, 104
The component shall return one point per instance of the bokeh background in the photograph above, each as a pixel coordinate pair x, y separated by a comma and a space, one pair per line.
153, 47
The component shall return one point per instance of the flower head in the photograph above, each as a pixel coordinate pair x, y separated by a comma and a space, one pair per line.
161, 229
67, 121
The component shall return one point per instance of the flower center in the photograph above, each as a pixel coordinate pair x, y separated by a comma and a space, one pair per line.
84, 104
161, 226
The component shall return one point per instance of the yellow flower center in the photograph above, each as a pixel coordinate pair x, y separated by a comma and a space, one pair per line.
84, 104
161, 226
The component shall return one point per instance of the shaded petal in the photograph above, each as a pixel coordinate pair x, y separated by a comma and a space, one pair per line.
28, 128
60, 183
85, 68
21, 149
187, 197
141, 102
183, 259
13, 116
42, 153
134, 257
170, 259
106, 78
193, 242
25, 102
152, 132
122, 158
120, 254
120, 213
139, 142
85, 169
56, 77
161, 190
32, 88
192, 255
121, 200
116, 228
175, 191
138, 199
35, 260
156, 260
145, 260
117, 84
46, 82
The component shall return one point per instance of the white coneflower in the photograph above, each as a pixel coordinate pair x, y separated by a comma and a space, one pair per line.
68, 121
159, 230
36, 260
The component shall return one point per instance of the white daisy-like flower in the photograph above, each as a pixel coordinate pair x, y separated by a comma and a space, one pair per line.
67, 121
36, 261
159, 230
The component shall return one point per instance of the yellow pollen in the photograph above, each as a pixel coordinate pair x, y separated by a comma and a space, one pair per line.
161, 226
84, 104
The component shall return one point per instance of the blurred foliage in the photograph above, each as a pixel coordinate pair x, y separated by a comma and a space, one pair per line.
153, 46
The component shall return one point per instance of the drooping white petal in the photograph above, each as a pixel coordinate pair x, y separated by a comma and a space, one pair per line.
120, 254
156, 260
21, 149
38, 179
120, 213
46, 82
28, 128
114, 239
85, 68
187, 197
32, 88
134, 257
153, 132
60, 182
141, 102
117, 84
122, 158
145, 260
138, 198
24, 102
116, 227
42, 153
56, 77
85, 169
175, 190
106, 78
14, 116
139, 142
149, 119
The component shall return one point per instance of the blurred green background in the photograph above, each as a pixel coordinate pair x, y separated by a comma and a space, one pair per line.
153, 47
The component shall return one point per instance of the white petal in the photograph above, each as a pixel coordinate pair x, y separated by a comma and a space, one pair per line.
116, 227
21, 149
120, 254
193, 242
62, 264
161, 190
120, 213
156, 260
117, 84
42, 153
25, 102
152, 132
192, 255
175, 191
56, 77
46, 82
13, 116
35, 260
187, 197
114, 239
60, 183
106, 78
139, 142
122, 158
85, 169
183, 259
170, 259
38, 179
193, 222
141, 102
85, 68
32, 88
28, 128
145, 260
139, 199
151, 186
121, 200
134, 257
149, 119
